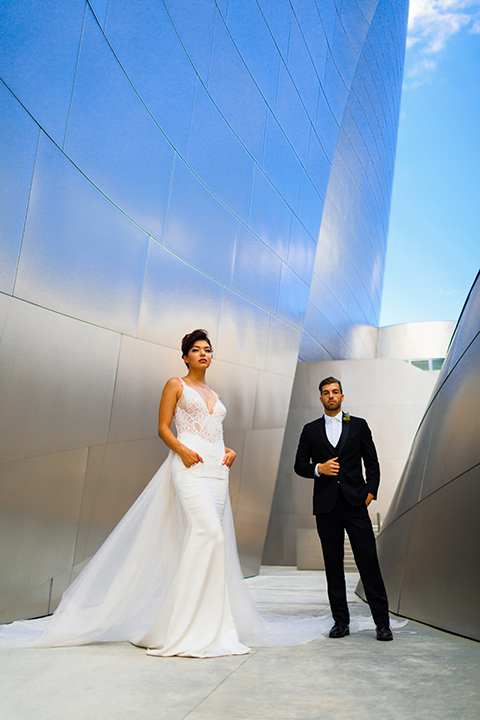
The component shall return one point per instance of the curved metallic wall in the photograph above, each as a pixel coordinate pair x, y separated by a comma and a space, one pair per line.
165, 166
429, 542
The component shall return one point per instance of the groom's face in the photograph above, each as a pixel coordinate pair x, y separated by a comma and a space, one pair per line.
331, 398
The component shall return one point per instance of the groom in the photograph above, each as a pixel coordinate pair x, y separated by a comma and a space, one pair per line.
331, 450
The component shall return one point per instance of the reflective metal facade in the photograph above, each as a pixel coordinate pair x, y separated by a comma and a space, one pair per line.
429, 543
167, 166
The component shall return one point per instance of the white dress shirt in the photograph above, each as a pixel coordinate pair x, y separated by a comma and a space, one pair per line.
333, 430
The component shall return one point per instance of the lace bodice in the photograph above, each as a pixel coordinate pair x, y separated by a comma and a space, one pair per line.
191, 416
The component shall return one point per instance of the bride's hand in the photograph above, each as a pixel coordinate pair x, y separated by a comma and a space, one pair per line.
190, 457
229, 457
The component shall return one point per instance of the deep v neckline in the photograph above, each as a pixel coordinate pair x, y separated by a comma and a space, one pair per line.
201, 396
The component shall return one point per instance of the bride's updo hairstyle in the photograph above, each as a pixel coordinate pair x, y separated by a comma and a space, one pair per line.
190, 339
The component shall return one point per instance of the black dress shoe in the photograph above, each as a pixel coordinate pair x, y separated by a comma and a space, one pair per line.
339, 631
384, 632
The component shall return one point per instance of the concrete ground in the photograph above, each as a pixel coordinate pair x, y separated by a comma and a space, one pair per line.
424, 674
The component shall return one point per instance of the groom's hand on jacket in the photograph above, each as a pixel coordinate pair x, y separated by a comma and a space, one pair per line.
331, 467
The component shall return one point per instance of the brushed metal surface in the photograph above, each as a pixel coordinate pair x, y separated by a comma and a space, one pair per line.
17, 154
39, 504
242, 332
112, 137
80, 255
115, 480
271, 401
143, 370
38, 53
441, 578
56, 382
176, 296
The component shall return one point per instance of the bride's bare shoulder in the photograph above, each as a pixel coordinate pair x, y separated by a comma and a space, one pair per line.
173, 386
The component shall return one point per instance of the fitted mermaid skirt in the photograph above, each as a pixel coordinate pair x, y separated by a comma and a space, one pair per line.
196, 617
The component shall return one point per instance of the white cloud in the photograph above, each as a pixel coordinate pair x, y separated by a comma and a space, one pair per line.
431, 24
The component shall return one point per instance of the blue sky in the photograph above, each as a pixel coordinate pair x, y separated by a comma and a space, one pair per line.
433, 252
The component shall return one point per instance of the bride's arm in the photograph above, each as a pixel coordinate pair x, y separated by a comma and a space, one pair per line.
171, 394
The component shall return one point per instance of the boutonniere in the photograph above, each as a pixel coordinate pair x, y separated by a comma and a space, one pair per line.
346, 417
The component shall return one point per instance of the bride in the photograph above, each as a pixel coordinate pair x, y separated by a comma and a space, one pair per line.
168, 577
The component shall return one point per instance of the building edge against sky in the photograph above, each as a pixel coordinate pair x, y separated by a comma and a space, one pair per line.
225, 165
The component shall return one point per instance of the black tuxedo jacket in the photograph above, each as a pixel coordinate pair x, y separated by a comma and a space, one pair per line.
355, 444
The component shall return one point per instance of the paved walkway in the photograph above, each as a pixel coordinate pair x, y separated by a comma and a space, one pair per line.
424, 674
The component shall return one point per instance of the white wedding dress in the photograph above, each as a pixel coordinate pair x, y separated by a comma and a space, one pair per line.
168, 577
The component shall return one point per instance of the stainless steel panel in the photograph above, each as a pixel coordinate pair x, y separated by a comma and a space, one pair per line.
143, 370
95, 461
39, 509
196, 28
260, 464
217, 157
113, 139
126, 470
344, 55
282, 348
176, 299
243, 332
17, 154
454, 427
292, 297
270, 217
56, 382
393, 541
237, 387
310, 206
5, 301
38, 53
30, 605
161, 72
100, 8
280, 162
303, 72
235, 93
266, 265
320, 327
199, 228
251, 521
278, 18
354, 20
441, 580
272, 400
301, 250
311, 350
235, 439
314, 32
336, 91
318, 165
80, 255
290, 111
244, 21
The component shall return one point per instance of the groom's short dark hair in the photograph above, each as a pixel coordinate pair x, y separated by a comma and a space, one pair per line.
329, 381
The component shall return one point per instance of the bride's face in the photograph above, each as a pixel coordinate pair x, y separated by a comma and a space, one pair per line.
199, 356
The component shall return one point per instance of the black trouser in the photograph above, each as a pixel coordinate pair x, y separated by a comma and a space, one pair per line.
331, 528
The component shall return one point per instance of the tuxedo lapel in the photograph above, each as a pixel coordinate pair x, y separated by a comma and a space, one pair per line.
343, 436
323, 434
